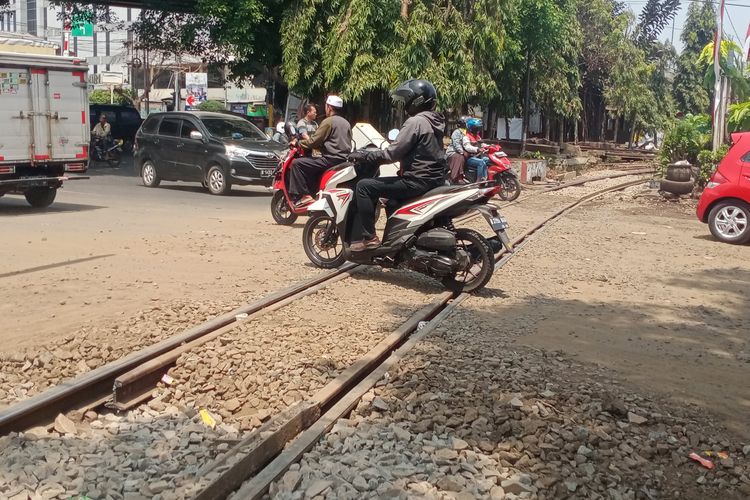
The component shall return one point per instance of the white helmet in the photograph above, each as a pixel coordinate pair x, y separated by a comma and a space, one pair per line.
280, 127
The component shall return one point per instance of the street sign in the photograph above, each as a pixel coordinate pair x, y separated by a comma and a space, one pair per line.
190, 101
81, 26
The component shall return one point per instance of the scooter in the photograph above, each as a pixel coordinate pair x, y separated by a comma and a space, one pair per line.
419, 233
106, 150
283, 210
500, 171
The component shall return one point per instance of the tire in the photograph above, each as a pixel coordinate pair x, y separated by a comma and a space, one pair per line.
114, 160
511, 188
40, 197
729, 221
280, 211
218, 182
313, 236
149, 175
479, 249
679, 173
675, 187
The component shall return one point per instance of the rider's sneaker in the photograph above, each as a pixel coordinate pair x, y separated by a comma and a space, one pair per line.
305, 200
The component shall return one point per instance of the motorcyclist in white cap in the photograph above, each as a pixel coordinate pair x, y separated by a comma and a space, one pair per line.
334, 140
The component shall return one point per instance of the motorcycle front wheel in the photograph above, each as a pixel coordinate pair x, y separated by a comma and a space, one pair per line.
281, 211
481, 263
322, 243
511, 187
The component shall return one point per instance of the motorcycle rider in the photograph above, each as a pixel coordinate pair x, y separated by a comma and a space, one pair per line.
101, 134
419, 148
334, 139
479, 162
306, 126
455, 153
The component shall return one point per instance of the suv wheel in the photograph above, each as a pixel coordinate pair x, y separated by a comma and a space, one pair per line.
729, 221
149, 176
217, 180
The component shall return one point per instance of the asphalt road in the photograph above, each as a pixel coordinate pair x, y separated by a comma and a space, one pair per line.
119, 189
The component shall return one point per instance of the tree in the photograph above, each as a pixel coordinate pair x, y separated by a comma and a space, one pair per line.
122, 97
732, 66
655, 16
214, 106
689, 92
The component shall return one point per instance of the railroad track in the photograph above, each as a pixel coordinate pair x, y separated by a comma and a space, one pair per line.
135, 376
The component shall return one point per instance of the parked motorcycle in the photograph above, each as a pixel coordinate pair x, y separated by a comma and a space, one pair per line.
419, 233
500, 171
106, 150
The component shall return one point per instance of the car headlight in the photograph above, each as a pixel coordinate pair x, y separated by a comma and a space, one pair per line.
712, 185
235, 152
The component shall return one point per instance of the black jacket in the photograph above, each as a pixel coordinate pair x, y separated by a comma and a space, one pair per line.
419, 148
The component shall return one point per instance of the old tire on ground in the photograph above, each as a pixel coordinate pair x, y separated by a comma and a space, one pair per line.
675, 187
149, 175
281, 211
322, 242
729, 221
679, 173
40, 197
481, 257
218, 182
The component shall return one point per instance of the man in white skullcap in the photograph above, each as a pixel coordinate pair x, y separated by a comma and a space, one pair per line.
334, 140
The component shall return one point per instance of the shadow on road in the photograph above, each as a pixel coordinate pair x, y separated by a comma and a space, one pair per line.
11, 206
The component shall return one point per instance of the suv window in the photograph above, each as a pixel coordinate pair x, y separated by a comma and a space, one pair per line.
187, 127
170, 127
232, 128
746, 158
151, 125
130, 117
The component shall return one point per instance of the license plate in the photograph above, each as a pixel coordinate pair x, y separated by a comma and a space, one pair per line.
498, 223
266, 172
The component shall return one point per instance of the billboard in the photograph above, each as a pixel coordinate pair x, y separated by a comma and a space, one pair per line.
196, 85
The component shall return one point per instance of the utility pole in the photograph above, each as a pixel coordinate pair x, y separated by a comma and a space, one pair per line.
177, 84
718, 114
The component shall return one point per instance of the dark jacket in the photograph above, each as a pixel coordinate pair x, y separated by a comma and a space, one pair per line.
419, 147
333, 138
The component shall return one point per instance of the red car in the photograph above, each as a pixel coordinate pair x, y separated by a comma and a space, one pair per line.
725, 203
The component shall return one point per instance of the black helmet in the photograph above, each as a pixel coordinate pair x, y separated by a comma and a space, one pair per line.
415, 96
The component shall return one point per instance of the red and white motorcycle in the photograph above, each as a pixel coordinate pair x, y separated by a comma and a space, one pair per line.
419, 233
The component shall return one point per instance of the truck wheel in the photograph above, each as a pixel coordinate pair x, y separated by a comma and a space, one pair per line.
40, 197
148, 174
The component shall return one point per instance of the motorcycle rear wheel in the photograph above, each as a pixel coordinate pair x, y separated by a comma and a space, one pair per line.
482, 265
281, 211
322, 242
511, 187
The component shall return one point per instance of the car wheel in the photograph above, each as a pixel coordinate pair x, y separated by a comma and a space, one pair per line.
149, 175
729, 221
217, 180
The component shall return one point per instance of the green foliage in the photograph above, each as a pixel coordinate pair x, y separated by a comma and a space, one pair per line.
212, 106
739, 117
686, 139
102, 96
708, 161
731, 59
689, 93
654, 17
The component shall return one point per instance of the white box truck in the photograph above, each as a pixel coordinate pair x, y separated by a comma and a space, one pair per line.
44, 129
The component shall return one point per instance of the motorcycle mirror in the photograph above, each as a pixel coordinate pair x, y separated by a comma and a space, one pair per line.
392, 134
196, 135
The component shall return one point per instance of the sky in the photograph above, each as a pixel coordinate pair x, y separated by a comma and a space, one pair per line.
736, 19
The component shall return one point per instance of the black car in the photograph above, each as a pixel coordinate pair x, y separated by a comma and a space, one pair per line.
124, 120
215, 149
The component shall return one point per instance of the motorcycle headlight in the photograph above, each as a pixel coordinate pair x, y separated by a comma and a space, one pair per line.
235, 152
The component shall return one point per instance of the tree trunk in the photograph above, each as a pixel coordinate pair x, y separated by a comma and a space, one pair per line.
575, 131
547, 126
405, 8
526, 99
561, 136
617, 128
